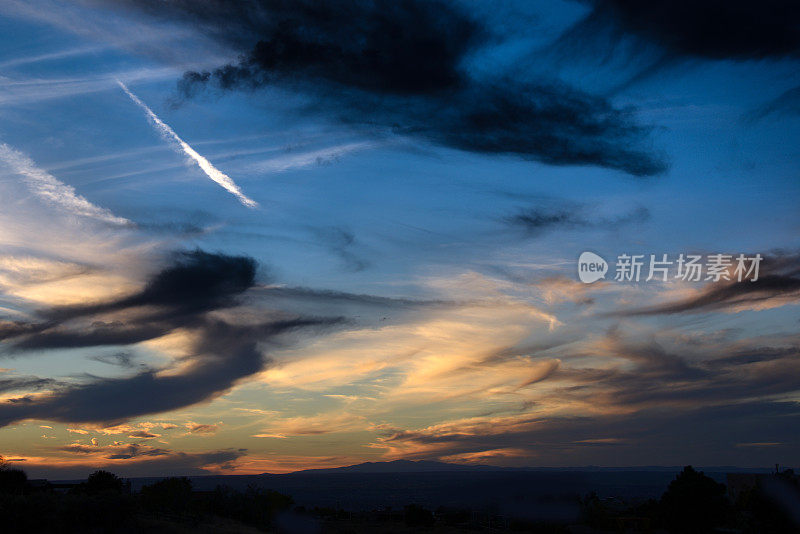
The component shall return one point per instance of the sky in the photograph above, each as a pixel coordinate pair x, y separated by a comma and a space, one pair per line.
265, 236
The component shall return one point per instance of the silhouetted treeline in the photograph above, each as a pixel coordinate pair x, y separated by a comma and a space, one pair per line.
96, 505
692, 504
103, 503
695, 504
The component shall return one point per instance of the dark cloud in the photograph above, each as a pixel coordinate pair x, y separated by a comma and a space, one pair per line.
730, 295
401, 66
203, 429
363, 308
177, 296
342, 242
197, 281
779, 279
681, 376
137, 460
323, 296
176, 221
19, 383
712, 29
554, 215
116, 333
118, 451
142, 434
407, 47
77, 448
121, 359
222, 351
135, 450
753, 355
661, 34
787, 103
223, 354
11, 329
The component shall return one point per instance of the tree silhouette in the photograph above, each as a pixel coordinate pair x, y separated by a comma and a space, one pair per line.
12, 480
102, 482
171, 494
254, 506
694, 503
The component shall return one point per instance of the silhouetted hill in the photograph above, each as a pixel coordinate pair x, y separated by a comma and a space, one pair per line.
430, 466
375, 485
403, 466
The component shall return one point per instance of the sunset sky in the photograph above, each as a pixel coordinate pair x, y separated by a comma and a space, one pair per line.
245, 237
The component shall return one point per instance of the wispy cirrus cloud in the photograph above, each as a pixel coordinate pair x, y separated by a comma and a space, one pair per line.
667, 436
56, 246
25, 90
324, 423
310, 158
49, 188
617, 394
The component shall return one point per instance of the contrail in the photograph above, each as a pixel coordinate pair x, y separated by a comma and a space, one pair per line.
49, 188
212, 172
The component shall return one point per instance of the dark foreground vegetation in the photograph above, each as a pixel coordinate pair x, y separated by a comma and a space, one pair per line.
693, 503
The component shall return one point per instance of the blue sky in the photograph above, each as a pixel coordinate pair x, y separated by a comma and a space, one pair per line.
439, 298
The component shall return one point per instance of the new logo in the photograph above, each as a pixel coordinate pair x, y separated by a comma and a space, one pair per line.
591, 267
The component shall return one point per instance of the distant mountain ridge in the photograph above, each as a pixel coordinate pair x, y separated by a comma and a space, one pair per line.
403, 466
432, 466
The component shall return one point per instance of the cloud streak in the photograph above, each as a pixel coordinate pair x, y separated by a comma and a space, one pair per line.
778, 285
53, 191
169, 134
75, 460
542, 218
